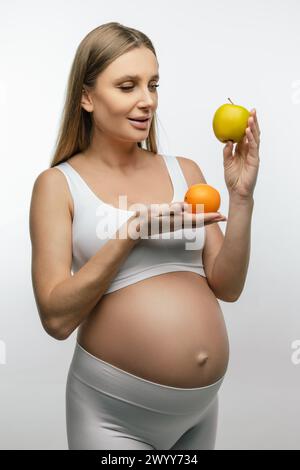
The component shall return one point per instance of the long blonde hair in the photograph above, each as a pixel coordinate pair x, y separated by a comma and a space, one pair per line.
97, 50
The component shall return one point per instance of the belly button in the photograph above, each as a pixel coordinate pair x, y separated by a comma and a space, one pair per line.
201, 358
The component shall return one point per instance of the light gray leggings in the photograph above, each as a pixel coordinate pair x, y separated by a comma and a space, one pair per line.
109, 408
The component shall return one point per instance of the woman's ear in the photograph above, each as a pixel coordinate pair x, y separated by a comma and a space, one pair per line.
86, 102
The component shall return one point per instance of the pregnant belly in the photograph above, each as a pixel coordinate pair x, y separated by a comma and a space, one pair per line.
168, 329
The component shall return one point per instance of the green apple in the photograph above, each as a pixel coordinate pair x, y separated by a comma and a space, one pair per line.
230, 122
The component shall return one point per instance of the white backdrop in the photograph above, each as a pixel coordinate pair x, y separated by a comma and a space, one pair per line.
207, 51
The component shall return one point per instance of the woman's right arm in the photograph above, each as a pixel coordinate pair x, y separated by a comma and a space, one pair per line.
64, 301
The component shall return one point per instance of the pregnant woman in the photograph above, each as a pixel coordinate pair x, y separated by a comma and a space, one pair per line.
152, 348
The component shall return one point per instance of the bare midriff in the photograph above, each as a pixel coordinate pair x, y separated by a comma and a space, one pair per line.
168, 329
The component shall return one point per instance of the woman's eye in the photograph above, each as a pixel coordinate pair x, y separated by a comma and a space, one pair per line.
131, 87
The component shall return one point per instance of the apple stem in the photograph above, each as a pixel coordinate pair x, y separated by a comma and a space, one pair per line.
230, 101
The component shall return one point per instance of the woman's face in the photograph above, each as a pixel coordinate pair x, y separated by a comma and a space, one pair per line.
112, 104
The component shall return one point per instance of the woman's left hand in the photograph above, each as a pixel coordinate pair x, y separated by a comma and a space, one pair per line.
241, 168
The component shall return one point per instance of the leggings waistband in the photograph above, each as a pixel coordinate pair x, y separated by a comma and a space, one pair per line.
122, 385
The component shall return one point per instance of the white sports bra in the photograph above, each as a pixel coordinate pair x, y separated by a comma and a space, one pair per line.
95, 221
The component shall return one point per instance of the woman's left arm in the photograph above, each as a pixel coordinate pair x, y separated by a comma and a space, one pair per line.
240, 169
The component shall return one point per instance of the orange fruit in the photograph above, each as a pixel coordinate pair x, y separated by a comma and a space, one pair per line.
203, 194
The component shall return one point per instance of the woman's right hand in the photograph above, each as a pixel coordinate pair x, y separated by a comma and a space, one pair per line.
168, 217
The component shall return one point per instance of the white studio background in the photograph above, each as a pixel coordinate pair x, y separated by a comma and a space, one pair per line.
207, 51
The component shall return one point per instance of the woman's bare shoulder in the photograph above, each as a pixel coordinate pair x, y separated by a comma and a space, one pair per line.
52, 180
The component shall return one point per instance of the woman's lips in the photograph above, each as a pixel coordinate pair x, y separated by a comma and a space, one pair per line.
139, 124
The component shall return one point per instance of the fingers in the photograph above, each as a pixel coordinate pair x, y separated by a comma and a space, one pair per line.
228, 150
215, 221
254, 115
252, 127
183, 210
211, 218
199, 219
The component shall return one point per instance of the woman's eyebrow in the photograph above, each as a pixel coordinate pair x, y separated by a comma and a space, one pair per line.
126, 77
